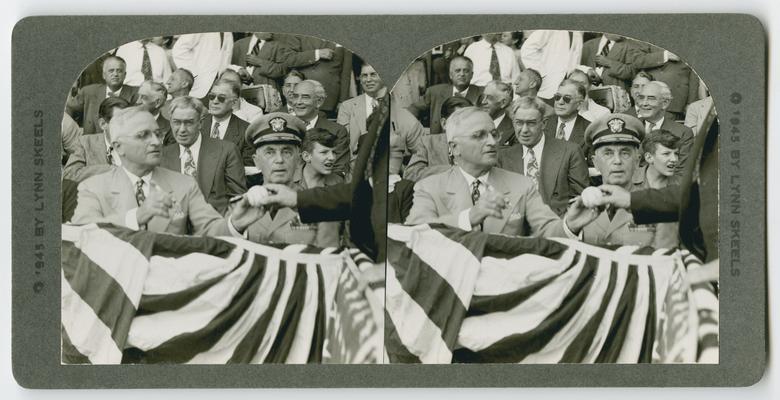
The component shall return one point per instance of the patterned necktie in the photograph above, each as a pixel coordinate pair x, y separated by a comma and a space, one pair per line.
561, 134
109, 157
374, 105
256, 49
215, 131
146, 65
475, 191
495, 69
605, 50
140, 197
189, 164
532, 169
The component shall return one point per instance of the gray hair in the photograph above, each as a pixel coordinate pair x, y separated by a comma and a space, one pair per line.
188, 102
158, 88
121, 117
456, 119
502, 87
531, 103
319, 90
666, 93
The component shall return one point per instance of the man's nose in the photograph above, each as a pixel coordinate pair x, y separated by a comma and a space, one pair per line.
675, 157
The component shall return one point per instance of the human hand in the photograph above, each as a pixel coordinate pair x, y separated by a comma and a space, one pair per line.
158, 203
491, 204
326, 54
616, 196
578, 215
280, 195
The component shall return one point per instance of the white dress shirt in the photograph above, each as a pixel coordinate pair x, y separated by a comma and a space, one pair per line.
553, 55
649, 126
498, 120
204, 56
310, 124
133, 54
480, 54
538, 148
567, 128
369, 105
116, 93
465, 91
603, 42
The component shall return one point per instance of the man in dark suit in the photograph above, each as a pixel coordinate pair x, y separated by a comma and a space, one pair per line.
610, 56
152, 96
667, 67
261, 58
213, 163
307, 99
567, 124
557, 167
88, 99
222, 124
496, 101
653, 101
461, 72
324, 62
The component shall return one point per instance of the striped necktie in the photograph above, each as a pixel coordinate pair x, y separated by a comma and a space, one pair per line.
495, 69
140, 197
146, 65
561, 134
215, 131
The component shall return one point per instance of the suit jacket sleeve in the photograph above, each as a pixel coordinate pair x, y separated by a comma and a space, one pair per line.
76, 169
342, 150
642, 56
686, 143
296, 57
235, 180
422, 106
424, 208
620, 70
417, 163
273, 68
345, 114
578, 172
205, 220
329, 203
542, 220
652, 206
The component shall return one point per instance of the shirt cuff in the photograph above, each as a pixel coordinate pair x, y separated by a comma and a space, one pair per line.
317, 54
464, 222
131, 219
569, 233
666, 56
234, 231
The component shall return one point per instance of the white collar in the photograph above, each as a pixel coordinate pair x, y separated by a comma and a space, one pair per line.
498, 120
223, 123
538, 148
463, 93
116, 93
134, 179
310, 124
194, 149
470, 179
656, 124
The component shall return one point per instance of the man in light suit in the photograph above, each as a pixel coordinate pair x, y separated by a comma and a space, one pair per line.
214, 164
307, 99
93, 155
461, 72
141, 195
260, 58
567, 124
475, 194
204, 55
653, 101
557, 167
497, 101
667, 67
222, 124
610, 56
88, 99
322, 61
277, 138
354, 112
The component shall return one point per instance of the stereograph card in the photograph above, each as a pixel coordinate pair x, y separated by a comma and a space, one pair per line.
450, 201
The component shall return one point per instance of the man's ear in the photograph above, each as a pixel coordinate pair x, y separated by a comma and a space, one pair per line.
102, 124
305, 156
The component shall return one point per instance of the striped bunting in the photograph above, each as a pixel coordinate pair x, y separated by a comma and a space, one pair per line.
142, 297
455, 296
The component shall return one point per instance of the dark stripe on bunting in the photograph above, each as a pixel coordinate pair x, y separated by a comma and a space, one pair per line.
396, 351
185, 346
100, 291
579, 347
288, 325
500, 246
617, 331
481, 305
515, 348
318, 336
429, 290
151, 304
166, 245
646, 355
248, 346
70, 354
143, 241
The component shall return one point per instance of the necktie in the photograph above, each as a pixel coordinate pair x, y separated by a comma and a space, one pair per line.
189, 164
374, 105
495, 69
649, 127
605, 50
215, 131
532, 170
561, 134
475, 191
140, 197
256, 49
109, 157
146, 65
110, 94
458, 94
611, 212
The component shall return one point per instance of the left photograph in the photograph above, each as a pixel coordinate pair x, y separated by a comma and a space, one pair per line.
224, 200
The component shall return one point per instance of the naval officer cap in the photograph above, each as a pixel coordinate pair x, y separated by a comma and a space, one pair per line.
275, 128
613, 129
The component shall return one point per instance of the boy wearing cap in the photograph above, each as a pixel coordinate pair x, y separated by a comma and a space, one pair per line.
615, 140
277, 139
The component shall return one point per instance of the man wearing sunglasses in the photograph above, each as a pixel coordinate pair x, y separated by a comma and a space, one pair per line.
221, 123
567, 124
474, 194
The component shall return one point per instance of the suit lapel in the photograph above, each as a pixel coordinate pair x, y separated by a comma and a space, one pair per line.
472, 95
496, 225
231, 133
549, 168
207, 162
122, 192
621, 219
283, 217
171, 156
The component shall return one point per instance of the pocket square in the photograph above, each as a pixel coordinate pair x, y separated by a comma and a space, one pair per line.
515, 216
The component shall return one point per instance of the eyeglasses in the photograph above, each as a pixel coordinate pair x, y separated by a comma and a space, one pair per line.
186, 122
531, 123
221, 97
566, 98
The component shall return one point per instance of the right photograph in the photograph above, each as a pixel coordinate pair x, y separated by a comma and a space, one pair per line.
553, 198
